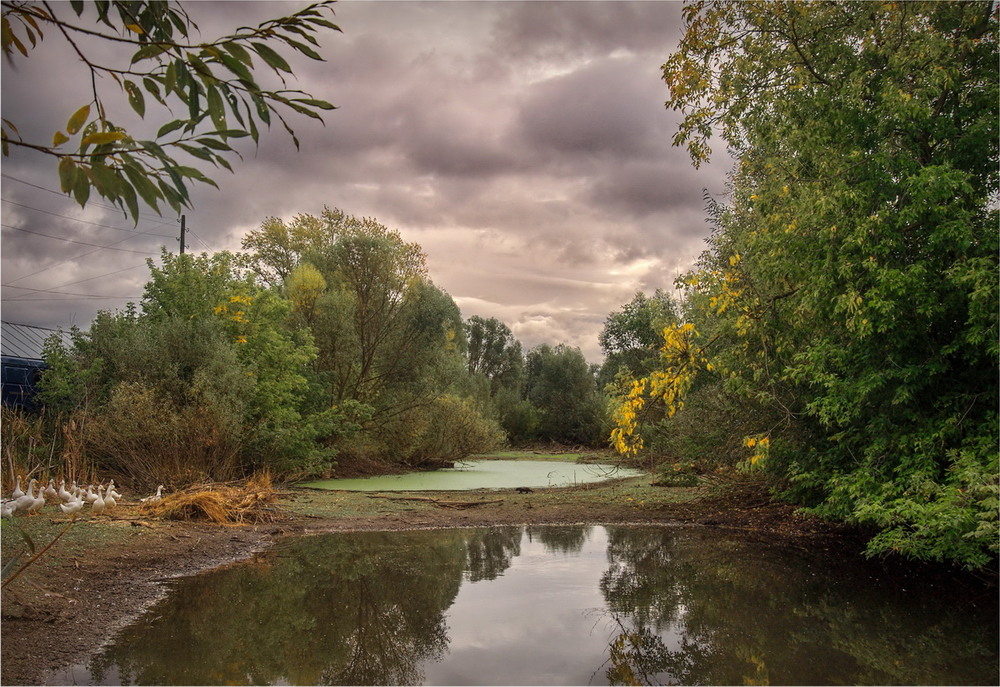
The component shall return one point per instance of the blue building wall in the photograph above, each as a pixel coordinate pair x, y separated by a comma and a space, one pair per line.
19, 377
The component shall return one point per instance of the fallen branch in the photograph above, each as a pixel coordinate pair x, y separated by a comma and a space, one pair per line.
437, 502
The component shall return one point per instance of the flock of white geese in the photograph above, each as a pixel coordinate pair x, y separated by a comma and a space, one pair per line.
70, 501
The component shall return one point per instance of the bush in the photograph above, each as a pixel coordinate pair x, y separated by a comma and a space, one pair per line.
450, 429
145, 438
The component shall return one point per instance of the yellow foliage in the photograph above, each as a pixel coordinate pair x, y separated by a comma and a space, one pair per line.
761, 444
680, 360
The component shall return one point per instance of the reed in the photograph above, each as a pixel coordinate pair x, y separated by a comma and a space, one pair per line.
225, 503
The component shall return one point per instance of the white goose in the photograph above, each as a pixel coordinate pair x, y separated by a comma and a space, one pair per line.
50, 490
98, 504
155, 497
7, 508
25, 501
18, 492
89, 496
64, 495
38, 503
72, 507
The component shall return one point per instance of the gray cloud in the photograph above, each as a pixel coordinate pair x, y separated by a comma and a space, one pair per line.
524, 145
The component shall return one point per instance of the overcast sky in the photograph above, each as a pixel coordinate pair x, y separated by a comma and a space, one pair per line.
524, 145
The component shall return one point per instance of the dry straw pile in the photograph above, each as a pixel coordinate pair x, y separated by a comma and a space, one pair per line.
225, 503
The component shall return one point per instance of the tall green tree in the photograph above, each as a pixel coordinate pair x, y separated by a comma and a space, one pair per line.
386, 336
214, 86
851, 285
494, 352
561, 385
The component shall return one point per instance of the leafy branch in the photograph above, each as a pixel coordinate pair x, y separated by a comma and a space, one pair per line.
214, 83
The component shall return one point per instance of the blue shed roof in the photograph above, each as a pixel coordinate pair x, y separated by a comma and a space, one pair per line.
26, 341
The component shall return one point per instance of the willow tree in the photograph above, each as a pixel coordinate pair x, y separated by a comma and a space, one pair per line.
850, 286
386, 336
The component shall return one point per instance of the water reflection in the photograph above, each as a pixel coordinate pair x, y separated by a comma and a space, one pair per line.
550, 605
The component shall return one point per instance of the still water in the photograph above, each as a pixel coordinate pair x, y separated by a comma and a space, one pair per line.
484, 474
552, 605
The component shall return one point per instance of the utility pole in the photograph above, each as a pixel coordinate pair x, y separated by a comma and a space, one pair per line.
183, 218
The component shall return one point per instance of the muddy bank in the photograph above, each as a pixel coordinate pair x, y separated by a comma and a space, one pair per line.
105, 572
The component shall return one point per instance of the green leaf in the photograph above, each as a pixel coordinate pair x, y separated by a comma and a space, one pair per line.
150, 194
230, 133
239, 52
105, 181
135, 98
201, 69
254, 134
170, 78
276, 61
321, 104
216, 108
78, 119
81, 190
302, 110
201, 153
170, 127
194, 107
236, 67
262, 109
173, 198
129, 196
153, 88
305, 50
213, 144
326, 23
58, 138
147, 52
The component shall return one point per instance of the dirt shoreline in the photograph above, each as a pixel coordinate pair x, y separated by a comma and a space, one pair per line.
62, 609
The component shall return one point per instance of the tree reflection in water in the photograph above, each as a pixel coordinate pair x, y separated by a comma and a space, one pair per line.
622, 605
693, 607
369, 610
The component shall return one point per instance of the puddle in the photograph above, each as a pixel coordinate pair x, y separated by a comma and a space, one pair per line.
551, 605
485, 474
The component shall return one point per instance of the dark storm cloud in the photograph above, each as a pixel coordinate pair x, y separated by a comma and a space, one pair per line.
523, 145
601, 110
644, 187
553, 31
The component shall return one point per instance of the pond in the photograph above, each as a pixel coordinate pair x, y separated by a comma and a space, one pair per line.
485, 474
551, 605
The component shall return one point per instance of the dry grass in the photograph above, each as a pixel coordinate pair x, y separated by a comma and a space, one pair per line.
225, 503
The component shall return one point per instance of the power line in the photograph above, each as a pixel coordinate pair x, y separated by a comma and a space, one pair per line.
82, 243
64, 293
207, 247
33, 326
63, 262
158, 220
83, 221
75, 298
72, 283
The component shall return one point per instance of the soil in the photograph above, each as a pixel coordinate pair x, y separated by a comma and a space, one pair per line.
107, 570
